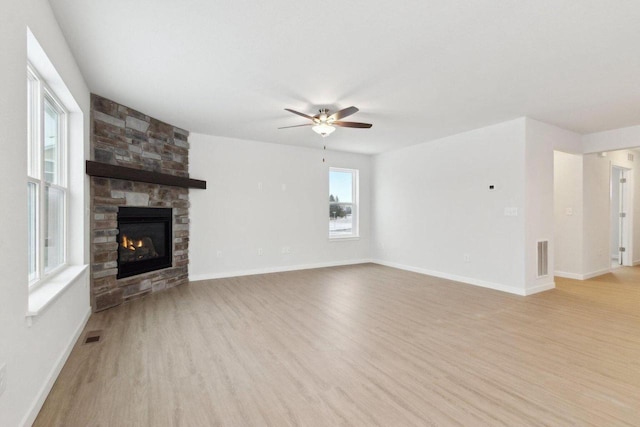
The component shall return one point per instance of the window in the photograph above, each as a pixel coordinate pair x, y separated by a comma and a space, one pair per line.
47, 179
343, 203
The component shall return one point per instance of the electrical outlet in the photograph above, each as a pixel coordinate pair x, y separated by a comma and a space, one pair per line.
286, 250
510, 211
284, 187
568, 211
3, 378
259, 186
466, 257
260, 251
219, 254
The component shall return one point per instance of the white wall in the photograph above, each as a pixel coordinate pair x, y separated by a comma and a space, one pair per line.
233, 217
611, 140
596, 215
583, 183
432, 206
636, 209
568, 229
597, 205
621, 158
541, 141
32, 354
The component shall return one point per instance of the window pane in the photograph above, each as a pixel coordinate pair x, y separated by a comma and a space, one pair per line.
32, 230
340, 219
341, 208
53, 228
340, 187
32, 128
51, 144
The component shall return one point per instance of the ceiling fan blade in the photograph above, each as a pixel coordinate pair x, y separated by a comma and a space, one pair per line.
296, 126
352, 125
299, 113
343, 113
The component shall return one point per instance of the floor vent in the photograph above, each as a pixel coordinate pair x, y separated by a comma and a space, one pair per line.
543, 258
93, 336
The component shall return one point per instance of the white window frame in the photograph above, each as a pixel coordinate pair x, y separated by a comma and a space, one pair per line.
355, 204
40, 92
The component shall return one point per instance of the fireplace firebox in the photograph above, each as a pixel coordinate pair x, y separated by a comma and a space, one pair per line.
144, 240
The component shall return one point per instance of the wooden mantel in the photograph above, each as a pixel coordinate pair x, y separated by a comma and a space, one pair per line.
105, 170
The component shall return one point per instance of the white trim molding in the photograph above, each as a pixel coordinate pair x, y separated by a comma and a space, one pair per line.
44, 391
461, 279
577, 276
540, 288
568, 275
266, 270
42, 297
596, 273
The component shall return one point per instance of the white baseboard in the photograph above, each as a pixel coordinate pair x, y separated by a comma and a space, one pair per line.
280, 269
462, 279
596, 273
540, 288
567, 275
467, 280
53, 375
577, 276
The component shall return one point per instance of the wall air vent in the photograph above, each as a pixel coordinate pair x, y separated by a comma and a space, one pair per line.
543, 258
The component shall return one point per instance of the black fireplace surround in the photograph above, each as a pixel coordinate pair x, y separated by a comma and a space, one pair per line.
145, 239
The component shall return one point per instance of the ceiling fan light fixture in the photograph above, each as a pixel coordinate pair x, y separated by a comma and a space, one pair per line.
323, 129
325, 124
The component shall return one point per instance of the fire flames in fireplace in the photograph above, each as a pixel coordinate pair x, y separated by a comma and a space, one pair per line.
144, 240
134, 249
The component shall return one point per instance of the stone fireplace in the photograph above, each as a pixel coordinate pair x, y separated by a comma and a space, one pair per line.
124, 268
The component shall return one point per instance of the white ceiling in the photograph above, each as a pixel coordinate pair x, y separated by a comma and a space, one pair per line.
418, 70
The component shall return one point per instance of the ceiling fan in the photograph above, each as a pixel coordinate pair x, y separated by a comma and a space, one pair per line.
324, 124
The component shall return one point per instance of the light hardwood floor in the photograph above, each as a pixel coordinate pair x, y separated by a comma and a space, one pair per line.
359, 345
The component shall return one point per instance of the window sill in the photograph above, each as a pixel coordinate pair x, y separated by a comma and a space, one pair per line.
343, 239
47, 292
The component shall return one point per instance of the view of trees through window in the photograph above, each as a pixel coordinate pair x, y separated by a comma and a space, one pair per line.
342, 207
336, 210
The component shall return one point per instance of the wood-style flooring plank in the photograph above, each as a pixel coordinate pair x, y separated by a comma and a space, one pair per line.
359, 345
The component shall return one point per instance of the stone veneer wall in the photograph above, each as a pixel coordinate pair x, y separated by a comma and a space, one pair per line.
125, 137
